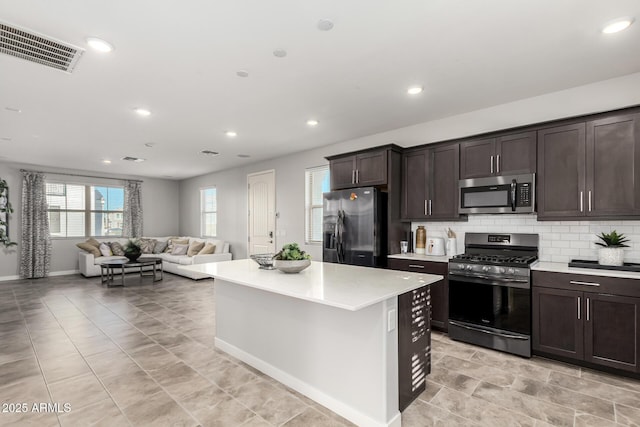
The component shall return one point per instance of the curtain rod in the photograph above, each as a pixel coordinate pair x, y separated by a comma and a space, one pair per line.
84, 176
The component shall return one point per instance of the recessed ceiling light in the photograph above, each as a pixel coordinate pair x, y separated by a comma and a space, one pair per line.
312, 122
231, 134
279, 53
99, 44
13, 109
325, 25
414, 90
142, 112
242, 73
617, 25
106, 161
149, 144
244, 156
209, 153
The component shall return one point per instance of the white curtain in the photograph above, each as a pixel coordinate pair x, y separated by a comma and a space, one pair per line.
132, 215
35, 252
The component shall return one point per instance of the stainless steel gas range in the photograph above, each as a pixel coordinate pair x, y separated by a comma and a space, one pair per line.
490, 291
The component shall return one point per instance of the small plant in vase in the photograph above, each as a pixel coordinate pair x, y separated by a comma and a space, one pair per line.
612, 248
132, 250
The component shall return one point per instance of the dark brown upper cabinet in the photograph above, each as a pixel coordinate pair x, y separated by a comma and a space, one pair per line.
430, 183
503, 155
358, 170
590, 169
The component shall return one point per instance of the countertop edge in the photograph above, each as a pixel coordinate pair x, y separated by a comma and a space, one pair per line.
419, 257
559, 267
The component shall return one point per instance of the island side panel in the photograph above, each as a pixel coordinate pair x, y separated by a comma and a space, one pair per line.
345, 360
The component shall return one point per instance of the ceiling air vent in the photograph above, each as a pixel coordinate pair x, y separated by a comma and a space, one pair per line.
133, 159
37, 48
209, 153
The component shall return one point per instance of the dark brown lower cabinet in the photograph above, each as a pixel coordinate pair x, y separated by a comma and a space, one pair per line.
439, 290
593, 319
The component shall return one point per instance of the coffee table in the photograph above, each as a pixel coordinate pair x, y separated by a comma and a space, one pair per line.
107, 269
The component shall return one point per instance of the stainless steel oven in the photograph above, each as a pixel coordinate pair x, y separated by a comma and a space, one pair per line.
498, 194
490, 291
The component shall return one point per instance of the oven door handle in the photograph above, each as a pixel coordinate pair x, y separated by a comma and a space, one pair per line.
512, 283
510, 336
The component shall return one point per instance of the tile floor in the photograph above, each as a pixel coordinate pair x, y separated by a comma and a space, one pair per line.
143, 355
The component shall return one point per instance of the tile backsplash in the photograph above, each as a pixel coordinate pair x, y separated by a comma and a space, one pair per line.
560, 241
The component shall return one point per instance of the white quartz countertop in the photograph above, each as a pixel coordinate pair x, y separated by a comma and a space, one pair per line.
344, 286
559, 267
420, 257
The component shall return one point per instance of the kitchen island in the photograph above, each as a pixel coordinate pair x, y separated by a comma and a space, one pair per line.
329, 332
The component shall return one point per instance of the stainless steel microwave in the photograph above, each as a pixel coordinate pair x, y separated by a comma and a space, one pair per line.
498, 194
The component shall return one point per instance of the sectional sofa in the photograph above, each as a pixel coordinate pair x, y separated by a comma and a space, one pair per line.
89, 263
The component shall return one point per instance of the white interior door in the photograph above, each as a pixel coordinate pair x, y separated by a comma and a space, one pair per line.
262, 215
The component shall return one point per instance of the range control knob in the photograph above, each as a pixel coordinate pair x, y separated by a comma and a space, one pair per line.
469, 267
501, 270
486, 268
511, 271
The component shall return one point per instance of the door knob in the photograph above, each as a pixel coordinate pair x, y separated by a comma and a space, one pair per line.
271, 234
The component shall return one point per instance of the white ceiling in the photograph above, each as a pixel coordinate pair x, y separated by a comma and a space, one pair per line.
179, 59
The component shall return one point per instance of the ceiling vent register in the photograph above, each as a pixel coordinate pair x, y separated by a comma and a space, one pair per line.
37, 48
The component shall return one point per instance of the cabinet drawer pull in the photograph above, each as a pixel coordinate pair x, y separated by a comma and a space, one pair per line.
416, 266
577, 282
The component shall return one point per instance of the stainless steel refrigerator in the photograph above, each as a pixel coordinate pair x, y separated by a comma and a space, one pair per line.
354, 227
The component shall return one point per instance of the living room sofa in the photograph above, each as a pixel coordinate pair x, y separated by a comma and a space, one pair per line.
89, 264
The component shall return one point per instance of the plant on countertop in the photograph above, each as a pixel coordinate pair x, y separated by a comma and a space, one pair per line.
6, 209
612, 240
291, 252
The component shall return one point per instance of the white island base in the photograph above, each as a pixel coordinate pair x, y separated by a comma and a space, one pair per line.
328, 332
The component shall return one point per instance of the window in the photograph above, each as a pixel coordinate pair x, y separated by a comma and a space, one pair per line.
316, 182
77, 210
208, 212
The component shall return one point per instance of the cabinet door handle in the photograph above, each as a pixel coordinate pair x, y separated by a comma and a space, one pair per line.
498, 163
588, 309
578, 282
426, 208
579, 301
416, 266
491, 164
589, 200
357, 176
581, 201
430, 208
353, 176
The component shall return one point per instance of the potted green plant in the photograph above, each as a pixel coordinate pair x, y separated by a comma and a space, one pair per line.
132, 250
612, 248
292, 259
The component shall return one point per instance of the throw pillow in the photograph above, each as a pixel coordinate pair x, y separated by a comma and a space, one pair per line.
194, 248
176, 241
89, 248
105, 249
147, 245
209, 248
160, 247
116, 249
93, 242
180, 249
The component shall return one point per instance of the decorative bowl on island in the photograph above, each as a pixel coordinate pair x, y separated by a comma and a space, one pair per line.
265, 261
292, 266
292, 259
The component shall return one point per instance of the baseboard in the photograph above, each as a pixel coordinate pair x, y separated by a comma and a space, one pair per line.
51, 274
313, 393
